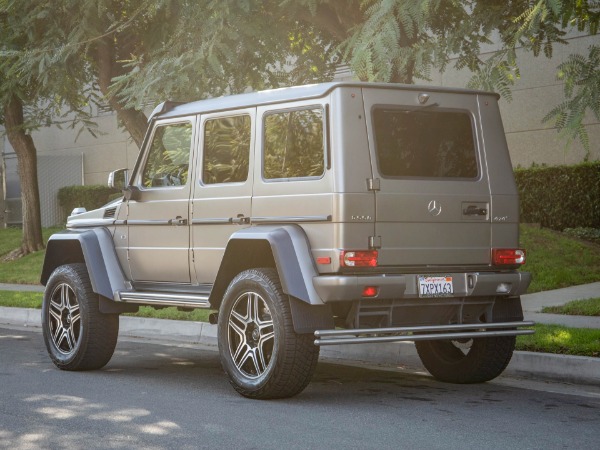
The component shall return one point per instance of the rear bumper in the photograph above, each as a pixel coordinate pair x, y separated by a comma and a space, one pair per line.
421, 333
333, 288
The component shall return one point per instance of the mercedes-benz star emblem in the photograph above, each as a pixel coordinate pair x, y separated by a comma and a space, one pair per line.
434, 207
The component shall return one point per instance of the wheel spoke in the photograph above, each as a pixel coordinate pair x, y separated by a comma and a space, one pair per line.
260, 362
57, 336
264, 338
72, 337
238, 323
253, 313
236, 315
54, 314
64, 296
75, 315
67, 337
242, 353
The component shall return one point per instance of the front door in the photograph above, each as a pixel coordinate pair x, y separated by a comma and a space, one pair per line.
158, 218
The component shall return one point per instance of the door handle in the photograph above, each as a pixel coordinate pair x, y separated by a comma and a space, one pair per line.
178, 221
473, 210
240, 219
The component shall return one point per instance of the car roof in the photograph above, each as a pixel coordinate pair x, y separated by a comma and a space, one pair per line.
170, 109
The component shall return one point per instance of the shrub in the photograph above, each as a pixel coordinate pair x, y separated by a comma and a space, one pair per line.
90, 197
560, 197
587, 234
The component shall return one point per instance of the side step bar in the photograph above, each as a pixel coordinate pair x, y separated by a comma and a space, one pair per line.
164, 299
424, 333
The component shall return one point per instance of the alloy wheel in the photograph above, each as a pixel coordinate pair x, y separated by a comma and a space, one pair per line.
251, 334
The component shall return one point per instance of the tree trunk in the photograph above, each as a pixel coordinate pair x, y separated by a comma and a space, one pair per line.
135, 122
24, 147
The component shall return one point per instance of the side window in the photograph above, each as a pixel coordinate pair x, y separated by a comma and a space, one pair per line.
169, 156
294, 144
226, 150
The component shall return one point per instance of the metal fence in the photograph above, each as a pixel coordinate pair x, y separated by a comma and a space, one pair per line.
54, 172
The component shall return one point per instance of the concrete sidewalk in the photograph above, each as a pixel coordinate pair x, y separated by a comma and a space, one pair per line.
401, 355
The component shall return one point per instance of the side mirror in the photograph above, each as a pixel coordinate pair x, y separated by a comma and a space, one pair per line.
118, 179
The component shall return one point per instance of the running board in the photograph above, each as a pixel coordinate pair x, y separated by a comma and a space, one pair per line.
424, 333
164, 299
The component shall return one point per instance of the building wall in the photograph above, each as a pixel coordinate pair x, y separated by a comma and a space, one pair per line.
112, 149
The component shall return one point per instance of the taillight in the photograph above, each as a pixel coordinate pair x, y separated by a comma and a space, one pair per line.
359, 258
508, 256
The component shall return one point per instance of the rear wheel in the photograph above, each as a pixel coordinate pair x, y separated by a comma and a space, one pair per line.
260, 351
466, 361
77, 335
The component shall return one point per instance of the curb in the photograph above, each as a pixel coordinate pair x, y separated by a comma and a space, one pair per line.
564, 368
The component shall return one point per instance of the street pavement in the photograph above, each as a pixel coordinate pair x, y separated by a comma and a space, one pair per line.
399, 355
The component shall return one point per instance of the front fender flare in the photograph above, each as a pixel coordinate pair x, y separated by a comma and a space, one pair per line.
95, 248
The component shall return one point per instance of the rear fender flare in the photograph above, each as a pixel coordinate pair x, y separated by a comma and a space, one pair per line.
288, 250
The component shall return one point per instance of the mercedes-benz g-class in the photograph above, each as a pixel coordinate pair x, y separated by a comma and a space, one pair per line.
316, 215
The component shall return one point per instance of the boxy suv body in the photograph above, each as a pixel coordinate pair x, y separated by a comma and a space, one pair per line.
316, 215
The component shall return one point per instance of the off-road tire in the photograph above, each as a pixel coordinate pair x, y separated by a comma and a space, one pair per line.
486, 359
77, 335
255, 319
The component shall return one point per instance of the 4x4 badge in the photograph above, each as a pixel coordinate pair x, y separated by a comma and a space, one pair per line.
434, 207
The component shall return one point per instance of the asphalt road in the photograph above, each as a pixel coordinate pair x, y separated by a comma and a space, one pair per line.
155, 396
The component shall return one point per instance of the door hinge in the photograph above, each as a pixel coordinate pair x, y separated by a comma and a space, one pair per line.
373, 184
374, 242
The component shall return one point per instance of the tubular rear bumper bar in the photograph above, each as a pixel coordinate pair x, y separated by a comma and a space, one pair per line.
424, 333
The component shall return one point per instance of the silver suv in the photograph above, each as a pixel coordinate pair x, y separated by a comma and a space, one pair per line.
336, 213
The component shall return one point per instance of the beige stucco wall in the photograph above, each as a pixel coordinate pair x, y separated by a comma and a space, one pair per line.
111, 150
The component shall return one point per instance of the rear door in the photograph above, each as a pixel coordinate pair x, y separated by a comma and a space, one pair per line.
431, 186
222, 195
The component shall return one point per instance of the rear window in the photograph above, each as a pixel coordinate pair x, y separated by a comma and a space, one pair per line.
424, 143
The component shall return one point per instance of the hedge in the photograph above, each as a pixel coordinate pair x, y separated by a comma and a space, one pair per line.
90, 197
560, 197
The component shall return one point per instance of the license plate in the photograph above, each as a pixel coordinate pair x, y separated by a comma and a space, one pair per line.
435, 287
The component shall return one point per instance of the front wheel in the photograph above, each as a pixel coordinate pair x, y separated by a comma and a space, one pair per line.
466, 361
77, 335
260, 351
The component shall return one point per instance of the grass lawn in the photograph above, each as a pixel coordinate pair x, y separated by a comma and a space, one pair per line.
24, 270
21, 299
589, 307
556, 260
561, 340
